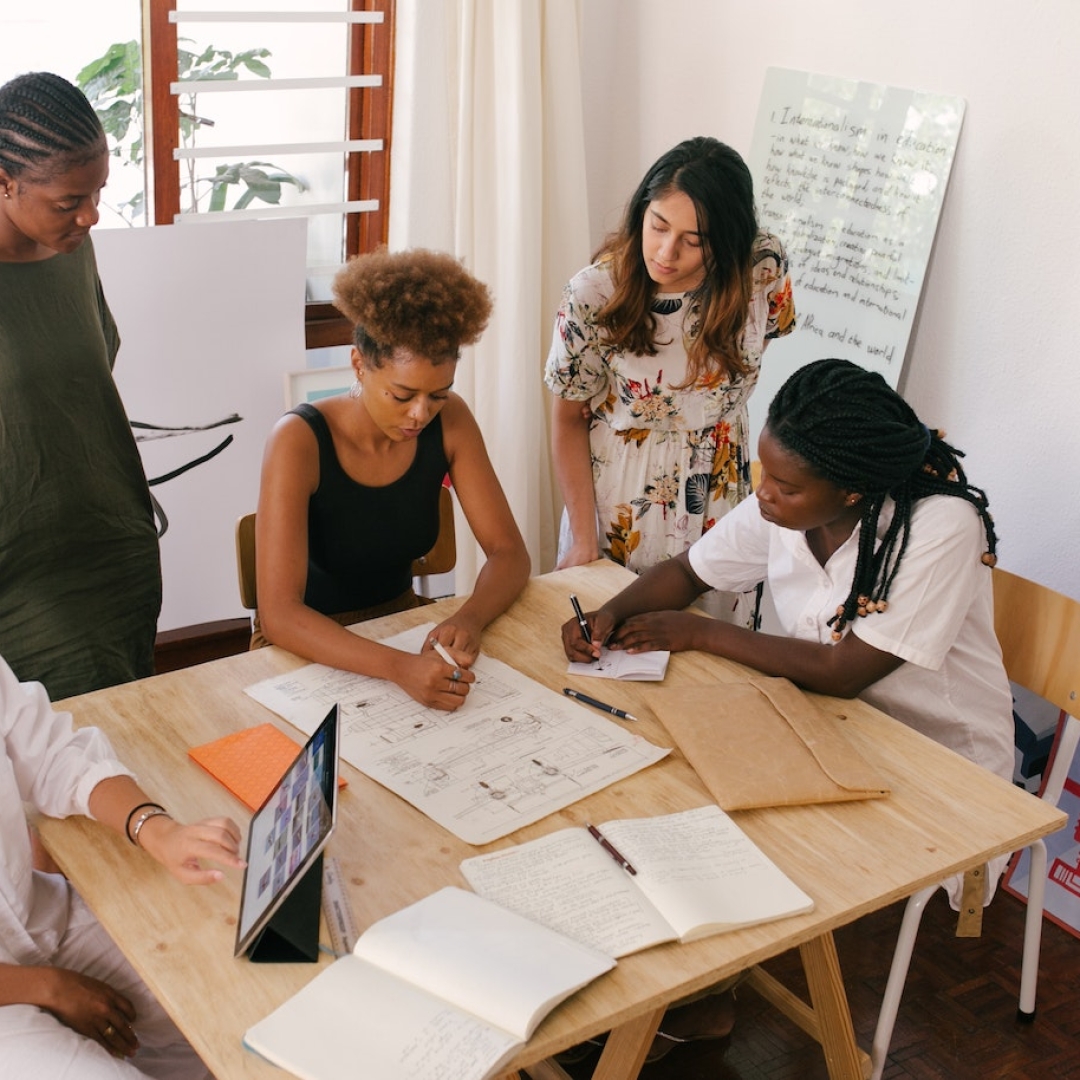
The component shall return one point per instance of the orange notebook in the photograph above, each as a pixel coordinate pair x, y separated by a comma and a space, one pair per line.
249, 762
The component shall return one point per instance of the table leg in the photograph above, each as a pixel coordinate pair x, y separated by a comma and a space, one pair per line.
626, 1047
826, 984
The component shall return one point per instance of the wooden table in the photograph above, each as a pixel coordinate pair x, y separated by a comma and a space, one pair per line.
943, 815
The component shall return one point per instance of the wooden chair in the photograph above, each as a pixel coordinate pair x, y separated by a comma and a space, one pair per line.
439, 560
1039, 632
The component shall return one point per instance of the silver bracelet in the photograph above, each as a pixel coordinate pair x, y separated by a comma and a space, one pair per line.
143, 818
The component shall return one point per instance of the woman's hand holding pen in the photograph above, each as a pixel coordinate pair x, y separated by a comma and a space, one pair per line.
674, 631
429, 678
460, 637
601, 625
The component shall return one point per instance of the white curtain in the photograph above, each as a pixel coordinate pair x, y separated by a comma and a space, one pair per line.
488, 162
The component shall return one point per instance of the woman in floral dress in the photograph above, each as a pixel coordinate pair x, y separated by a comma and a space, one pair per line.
656, 350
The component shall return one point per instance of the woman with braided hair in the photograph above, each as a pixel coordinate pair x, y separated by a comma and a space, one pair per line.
79, 562
877, 551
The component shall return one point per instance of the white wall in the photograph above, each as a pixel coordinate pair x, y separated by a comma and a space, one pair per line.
993, 356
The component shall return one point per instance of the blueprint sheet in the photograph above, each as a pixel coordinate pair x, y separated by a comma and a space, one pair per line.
512, 754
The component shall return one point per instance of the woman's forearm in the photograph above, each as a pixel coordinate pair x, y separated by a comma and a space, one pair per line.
26, 985
572, 458
667, 586
499, 583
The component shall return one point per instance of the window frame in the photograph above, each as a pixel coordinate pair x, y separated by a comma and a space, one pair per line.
369, 116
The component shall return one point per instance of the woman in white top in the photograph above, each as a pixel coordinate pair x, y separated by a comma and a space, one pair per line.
71, 1006
877, 552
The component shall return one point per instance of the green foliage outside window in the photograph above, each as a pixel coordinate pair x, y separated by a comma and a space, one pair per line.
113, 85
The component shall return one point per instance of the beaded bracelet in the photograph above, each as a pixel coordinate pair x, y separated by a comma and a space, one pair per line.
143, 818
134, 811
149, 810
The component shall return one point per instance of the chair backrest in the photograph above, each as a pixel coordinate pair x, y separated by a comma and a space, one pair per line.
245, 560
443, 556
1039, 632
439, 560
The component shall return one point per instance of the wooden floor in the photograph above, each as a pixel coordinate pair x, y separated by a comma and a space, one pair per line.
957, 1019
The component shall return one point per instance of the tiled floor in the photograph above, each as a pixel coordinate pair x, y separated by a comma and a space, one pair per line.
957, 1020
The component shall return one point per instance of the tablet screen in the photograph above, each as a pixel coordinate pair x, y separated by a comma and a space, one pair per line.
290, 829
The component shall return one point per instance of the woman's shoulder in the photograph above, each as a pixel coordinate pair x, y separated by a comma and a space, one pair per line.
767, 243
300, 428
592, 282
945, 519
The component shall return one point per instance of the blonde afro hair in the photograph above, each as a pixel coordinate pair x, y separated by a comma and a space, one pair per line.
422, 301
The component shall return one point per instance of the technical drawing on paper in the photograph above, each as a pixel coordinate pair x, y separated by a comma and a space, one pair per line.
512, 754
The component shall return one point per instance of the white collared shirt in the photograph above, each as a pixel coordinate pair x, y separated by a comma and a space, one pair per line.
48, 765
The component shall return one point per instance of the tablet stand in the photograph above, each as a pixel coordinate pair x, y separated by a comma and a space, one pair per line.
292, 934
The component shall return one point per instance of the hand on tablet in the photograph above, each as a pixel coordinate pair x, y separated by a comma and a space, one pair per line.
183, 849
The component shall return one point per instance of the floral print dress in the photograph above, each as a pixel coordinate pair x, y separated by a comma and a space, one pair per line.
668, 461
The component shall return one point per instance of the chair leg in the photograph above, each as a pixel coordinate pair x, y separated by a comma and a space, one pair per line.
1029, 971
894, 988
1053, 783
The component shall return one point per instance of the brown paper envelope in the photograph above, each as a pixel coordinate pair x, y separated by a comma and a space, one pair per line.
764, 743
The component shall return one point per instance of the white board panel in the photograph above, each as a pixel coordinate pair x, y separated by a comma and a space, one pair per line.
210, 321
851, 176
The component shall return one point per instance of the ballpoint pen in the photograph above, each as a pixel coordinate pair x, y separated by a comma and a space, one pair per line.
577, 695
610, 848
582, 622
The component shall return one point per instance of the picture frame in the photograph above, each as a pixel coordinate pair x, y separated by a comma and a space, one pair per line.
314, 384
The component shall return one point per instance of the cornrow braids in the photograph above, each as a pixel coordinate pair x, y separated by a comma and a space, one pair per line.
854, 430
46, 126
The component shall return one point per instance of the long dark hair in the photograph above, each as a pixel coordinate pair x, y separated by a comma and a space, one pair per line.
854, 430
717, 181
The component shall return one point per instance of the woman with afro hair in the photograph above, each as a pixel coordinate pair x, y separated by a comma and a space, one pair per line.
350, 485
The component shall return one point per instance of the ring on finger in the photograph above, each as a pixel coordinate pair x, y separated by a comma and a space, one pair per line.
455, 675
109, 1031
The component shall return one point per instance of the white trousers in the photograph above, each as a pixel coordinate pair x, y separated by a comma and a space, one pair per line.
34, 1043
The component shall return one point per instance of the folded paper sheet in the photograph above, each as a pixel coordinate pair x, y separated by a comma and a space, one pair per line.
765, 743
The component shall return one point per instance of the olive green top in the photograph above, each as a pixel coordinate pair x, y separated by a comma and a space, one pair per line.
80, 573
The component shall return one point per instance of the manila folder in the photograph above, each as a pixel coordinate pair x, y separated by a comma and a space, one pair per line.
765, 743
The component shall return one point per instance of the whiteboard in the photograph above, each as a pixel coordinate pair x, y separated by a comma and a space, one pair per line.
210, 320
851, 176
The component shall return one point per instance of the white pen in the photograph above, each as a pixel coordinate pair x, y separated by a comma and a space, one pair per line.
437, 645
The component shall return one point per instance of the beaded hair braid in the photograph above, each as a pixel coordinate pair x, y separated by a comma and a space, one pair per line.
854, 430
44, 119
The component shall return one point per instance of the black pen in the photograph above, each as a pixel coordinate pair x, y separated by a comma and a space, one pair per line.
583, 623
577, 695
610, 848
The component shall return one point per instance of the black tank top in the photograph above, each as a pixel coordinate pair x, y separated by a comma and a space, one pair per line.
362, 540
